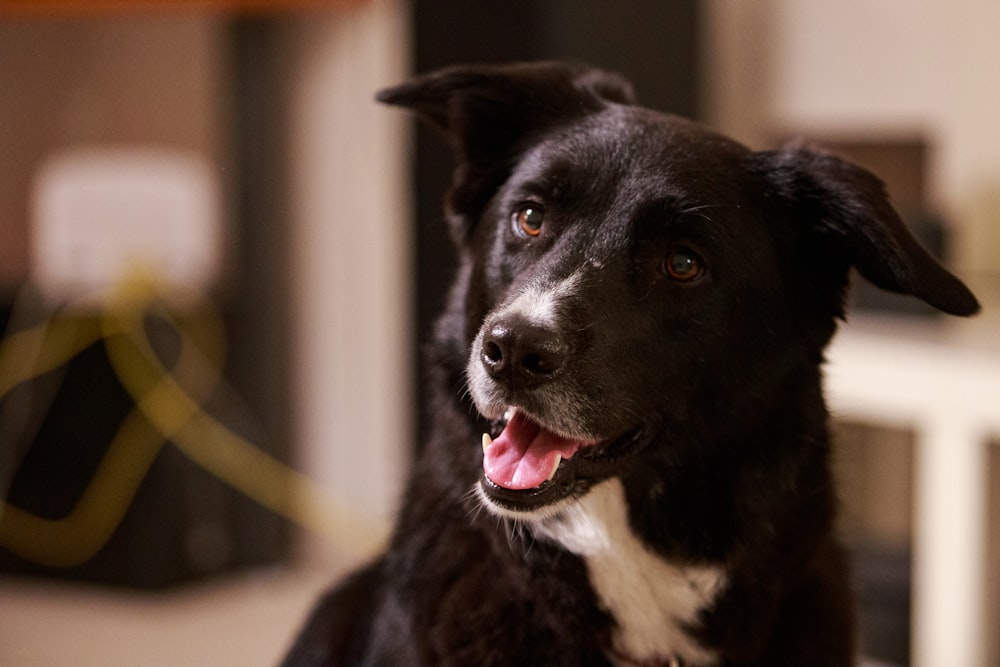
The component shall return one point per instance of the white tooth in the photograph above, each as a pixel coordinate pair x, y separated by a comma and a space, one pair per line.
508, 414
487, 441
555, 467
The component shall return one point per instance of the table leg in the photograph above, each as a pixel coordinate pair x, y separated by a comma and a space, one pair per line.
949, 543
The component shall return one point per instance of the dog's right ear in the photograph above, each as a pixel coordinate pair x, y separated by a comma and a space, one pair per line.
490, 114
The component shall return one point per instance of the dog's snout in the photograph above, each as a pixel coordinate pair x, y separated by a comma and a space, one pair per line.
522, 354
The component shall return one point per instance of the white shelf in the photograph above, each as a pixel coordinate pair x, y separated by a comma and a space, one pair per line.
940, 379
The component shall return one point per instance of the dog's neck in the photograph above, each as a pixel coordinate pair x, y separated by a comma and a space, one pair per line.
651, 600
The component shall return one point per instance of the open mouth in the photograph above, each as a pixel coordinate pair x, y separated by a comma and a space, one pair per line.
527, 466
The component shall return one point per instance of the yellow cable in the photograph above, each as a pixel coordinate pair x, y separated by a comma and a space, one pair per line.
76, 537
232, 458
168, 407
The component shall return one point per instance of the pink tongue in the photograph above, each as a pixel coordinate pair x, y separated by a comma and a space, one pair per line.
523, 455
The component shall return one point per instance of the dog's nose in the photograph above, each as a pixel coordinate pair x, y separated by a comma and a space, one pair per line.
522, 354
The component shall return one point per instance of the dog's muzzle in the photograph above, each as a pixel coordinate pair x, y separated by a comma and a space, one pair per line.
520, 374
522, 354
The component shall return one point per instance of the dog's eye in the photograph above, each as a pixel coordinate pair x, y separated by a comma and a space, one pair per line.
683, 265
528, 219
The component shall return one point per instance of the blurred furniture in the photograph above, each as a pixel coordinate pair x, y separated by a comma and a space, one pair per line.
941, 380
240, 123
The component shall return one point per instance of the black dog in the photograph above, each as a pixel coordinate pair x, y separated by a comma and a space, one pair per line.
638, 324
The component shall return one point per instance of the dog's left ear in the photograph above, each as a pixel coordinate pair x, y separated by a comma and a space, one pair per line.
491, 113
847, 212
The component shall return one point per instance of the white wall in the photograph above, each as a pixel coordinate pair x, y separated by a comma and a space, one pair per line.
350, 234
866, 67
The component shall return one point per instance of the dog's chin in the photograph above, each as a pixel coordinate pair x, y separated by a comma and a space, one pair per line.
572, 478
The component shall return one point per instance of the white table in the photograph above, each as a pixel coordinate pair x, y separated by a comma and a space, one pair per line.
941, 380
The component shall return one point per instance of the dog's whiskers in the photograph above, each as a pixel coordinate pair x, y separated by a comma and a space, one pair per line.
520, 539
696, 210
474, 507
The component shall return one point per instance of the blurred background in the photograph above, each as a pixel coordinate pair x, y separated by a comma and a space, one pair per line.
213, 291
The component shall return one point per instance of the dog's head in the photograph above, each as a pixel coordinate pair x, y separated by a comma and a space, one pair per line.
634, 286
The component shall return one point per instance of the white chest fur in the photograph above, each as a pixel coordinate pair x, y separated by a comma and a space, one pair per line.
650, 599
